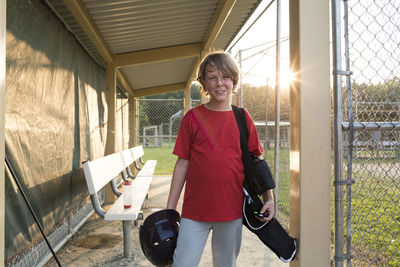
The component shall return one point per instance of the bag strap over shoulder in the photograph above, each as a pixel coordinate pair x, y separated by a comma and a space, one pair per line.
255, 181
242, 125
241, 121
244, 133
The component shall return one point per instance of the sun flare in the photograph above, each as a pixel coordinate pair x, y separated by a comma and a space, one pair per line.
287, 77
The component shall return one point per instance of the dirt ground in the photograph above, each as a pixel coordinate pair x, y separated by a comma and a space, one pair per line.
100, 243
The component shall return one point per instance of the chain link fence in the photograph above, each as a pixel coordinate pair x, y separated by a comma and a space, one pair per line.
159, 121
371, 134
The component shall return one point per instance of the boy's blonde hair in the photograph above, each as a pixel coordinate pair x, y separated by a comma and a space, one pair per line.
224, 62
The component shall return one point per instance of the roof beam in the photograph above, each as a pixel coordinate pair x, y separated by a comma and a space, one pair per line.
81, 14
218, 22
192, 73
159, 89
158, 54
124, 82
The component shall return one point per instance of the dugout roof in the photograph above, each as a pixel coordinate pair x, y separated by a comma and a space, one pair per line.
155, 45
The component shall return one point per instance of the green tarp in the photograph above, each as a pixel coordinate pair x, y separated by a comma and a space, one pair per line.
55, 118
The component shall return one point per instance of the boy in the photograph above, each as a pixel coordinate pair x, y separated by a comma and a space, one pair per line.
210, 162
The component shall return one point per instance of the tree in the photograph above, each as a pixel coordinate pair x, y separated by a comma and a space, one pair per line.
254, 98
195, 89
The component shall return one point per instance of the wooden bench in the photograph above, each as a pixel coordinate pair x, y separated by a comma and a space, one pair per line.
100, 172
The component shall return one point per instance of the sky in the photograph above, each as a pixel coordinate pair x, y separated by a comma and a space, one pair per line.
374, 35
258, 46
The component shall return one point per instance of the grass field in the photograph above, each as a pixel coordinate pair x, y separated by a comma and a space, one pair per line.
166, 160
163, 155
376, 217
375, 211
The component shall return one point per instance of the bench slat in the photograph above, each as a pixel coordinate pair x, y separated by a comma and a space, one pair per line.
140, 187
127, 157
137, 152
148, 168
97, 173
100, 171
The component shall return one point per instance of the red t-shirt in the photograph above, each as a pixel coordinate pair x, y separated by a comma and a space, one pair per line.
210, 140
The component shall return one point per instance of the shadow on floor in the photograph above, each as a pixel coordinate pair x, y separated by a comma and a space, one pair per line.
100, 243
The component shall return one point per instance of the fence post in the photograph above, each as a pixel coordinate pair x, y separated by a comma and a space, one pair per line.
338, 135
277, 103
240, 95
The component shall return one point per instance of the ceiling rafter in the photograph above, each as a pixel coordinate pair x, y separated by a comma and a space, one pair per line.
159, 89
81, 14
124, 82
218, 22
222, 13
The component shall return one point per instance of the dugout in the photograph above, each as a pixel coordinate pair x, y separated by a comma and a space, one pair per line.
69, 94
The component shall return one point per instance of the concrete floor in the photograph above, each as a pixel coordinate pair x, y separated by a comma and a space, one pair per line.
100, 243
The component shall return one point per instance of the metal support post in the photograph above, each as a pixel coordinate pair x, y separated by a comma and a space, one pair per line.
266, 145
338, 139
126, 228
240, 96
277, 103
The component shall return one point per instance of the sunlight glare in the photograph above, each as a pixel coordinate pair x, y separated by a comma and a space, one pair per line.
286, 79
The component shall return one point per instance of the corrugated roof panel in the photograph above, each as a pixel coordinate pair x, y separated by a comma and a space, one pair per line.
136, 25
134, 21
241, 12
167, 26
156, 22
160, 31
128, 18
158, 8
160, 73
70, 22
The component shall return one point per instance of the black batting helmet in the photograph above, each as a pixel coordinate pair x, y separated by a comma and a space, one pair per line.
158, 236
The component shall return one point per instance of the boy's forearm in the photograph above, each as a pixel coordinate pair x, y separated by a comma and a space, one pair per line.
178, 180
268, 207
268, 195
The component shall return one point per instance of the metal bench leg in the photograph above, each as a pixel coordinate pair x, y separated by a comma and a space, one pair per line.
126, 228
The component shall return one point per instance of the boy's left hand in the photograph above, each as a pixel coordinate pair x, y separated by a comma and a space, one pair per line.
267, 210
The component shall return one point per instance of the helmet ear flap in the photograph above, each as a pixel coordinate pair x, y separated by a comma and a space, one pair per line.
158, 236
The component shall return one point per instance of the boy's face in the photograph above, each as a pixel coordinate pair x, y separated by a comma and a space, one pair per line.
218, 85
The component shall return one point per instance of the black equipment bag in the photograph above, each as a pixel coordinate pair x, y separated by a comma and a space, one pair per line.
257, 172
258, 179
271, 233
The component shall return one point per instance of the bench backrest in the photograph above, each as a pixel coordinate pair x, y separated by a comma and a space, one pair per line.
101, 171
137, 152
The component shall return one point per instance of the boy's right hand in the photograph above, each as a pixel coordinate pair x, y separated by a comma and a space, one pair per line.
267, 212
